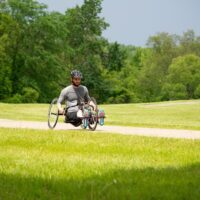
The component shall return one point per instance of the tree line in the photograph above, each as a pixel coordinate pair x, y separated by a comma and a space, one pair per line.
38, 49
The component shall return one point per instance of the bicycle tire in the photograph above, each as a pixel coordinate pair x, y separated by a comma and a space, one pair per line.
53, 114
93, 120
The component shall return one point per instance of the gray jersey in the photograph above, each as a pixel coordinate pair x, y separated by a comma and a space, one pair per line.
72, 95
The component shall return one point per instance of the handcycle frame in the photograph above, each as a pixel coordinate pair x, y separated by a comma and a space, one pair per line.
90, 121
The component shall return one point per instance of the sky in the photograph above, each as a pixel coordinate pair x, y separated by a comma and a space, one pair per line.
132, 22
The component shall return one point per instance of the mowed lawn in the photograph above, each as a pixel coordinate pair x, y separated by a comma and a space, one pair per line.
172, 114
83, 165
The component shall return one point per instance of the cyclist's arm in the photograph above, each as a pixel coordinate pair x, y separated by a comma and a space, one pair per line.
60, 100
87, 96
60, 108
88, 99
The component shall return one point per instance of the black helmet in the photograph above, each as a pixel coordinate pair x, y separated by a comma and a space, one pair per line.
76, 73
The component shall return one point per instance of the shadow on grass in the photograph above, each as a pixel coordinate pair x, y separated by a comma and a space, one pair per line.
150, 183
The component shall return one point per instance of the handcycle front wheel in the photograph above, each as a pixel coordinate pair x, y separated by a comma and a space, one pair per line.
93, 120
53, 114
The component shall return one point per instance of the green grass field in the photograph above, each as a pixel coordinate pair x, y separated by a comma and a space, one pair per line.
84, 165
174, 114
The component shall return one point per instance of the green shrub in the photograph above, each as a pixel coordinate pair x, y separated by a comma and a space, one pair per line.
17, 98
174, 91
122, 95
197, 92
30, 95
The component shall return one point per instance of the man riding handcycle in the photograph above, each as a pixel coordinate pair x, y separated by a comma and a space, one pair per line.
81, 109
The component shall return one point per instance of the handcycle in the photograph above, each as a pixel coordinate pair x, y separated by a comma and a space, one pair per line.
91, 115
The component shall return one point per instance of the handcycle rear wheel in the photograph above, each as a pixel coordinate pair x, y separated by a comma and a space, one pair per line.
53, 114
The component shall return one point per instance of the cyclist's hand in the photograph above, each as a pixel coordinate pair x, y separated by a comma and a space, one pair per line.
91, 103
61, 111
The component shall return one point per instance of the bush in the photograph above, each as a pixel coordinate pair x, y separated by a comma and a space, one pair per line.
17, 98
122, 96
174, 92
30, 95
197, 92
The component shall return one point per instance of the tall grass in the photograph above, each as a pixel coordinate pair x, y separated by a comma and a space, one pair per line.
83, 165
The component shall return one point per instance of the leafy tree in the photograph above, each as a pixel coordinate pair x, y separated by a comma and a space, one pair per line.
189, 43
197, 92
23, 13
174, 91
44, 56
38, 49
37, 46
136, 56
6, 23
184, 73
86, 45
116, 57
153, 74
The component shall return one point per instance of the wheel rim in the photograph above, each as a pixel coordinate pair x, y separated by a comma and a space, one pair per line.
93, 120
53, 114
94, 116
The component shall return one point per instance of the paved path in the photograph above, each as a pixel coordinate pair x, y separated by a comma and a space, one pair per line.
153, 132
